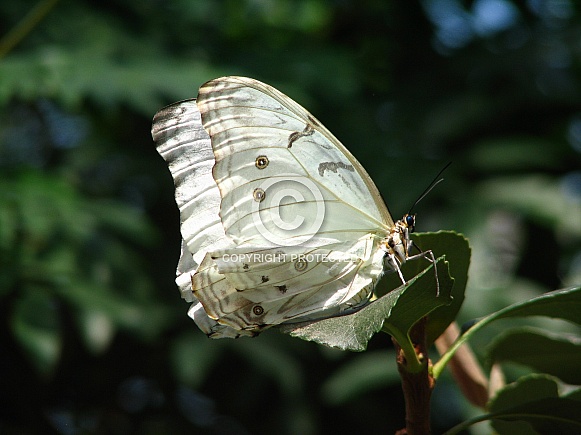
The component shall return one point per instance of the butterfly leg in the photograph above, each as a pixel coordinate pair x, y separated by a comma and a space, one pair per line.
428, 255
393, 264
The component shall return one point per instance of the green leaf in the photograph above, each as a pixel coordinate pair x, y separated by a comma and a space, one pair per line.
558, 355
527, 389
531, 405
396, 312
534, 402
9, 223
457, 251
562, 304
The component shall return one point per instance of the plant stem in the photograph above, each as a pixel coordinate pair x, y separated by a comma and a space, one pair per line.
464, 367
25, 26
417, 385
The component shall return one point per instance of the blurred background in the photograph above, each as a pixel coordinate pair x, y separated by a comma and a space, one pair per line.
95, 337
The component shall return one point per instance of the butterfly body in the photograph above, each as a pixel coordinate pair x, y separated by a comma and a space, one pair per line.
280, 223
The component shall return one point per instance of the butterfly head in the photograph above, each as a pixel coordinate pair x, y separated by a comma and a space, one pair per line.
409, 221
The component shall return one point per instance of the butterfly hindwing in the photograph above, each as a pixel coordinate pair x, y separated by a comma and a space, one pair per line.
288, 284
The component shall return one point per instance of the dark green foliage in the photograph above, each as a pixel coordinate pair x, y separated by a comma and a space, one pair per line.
546, 352
534, 403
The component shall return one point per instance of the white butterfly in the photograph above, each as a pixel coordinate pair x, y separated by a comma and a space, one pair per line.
280, 223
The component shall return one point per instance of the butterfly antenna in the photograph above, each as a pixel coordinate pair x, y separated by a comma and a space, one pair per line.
437, 180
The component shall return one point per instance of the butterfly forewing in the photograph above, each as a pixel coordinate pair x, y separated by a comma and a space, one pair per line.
258, 133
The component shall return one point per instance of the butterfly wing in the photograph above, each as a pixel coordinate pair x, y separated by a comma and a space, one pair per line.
185, 146
253, 288
281, 179
263, 140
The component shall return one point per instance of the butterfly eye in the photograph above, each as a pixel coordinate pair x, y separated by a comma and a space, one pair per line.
257, 310
301, 265
410, 221
261, 162
258, 194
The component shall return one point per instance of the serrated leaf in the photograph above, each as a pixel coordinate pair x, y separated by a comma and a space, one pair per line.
558, 355
397, 312
68, 74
